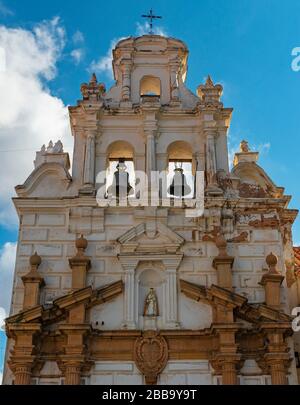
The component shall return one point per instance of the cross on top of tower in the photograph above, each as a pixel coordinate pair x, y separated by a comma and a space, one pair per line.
151, 17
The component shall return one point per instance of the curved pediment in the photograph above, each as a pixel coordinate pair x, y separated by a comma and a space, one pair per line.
47, 180
254, 181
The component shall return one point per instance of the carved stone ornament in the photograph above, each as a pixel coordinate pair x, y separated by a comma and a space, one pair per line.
151, 355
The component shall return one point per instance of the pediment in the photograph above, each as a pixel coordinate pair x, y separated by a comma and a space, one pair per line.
254, 181
47, 180
145, 238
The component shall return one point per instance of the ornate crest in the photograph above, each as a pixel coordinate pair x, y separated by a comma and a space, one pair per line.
151, 355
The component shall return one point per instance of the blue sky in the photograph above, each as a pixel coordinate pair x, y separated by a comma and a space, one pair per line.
244, 44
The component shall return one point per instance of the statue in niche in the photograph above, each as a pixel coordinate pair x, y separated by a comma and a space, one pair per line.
151, 304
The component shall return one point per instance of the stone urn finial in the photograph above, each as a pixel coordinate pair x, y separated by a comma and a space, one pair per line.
35, 260
272, 261
81, 244
221, 245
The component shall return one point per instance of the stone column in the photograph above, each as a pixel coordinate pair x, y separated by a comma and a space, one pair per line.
32, 283
130, 304
276, 357
73, 373
126, 82
22, 373
222, 151
211, 160
22, 358
211, 163
76, 356
150, 156
229, 372
170, 291
174, 82
278, 372
171, 297
89, 161
129, 296
226, 360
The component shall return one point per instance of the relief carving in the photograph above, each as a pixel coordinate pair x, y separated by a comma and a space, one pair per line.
151, 355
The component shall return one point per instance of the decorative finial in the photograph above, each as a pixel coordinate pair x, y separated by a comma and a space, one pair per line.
58, 147
50, 147
93, 89
244, 146
209, 82
81, 244
272, 261
35, 260
221, 245
93, 79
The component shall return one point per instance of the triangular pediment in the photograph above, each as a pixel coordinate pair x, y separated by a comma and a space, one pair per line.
150, 238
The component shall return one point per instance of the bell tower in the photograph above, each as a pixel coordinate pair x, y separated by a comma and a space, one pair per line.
150, 121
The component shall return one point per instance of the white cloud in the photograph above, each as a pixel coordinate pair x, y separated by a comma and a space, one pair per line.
104, 63
144, 29
77, 55
7, 265
4, 10
29, 116
78, 37
263, 148
2, 317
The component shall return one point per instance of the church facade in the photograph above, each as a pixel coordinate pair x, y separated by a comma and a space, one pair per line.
134, 285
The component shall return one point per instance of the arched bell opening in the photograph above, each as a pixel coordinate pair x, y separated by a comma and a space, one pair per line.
120, 170
180, 168
150, 86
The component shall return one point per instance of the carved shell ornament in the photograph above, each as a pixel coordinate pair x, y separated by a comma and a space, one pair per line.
151, 355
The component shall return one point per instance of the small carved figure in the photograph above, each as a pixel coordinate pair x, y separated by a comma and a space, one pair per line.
58, 147
151, 304
244, 147
50, 147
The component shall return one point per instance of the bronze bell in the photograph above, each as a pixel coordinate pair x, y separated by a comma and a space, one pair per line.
179, 186
120, 187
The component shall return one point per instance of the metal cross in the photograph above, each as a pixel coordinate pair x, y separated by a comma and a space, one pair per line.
151, 17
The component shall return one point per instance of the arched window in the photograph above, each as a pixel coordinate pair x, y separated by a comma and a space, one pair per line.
180, 179
120, 174
150, 86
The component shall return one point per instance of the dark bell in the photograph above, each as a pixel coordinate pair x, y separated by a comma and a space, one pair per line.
179, 186
120, 187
